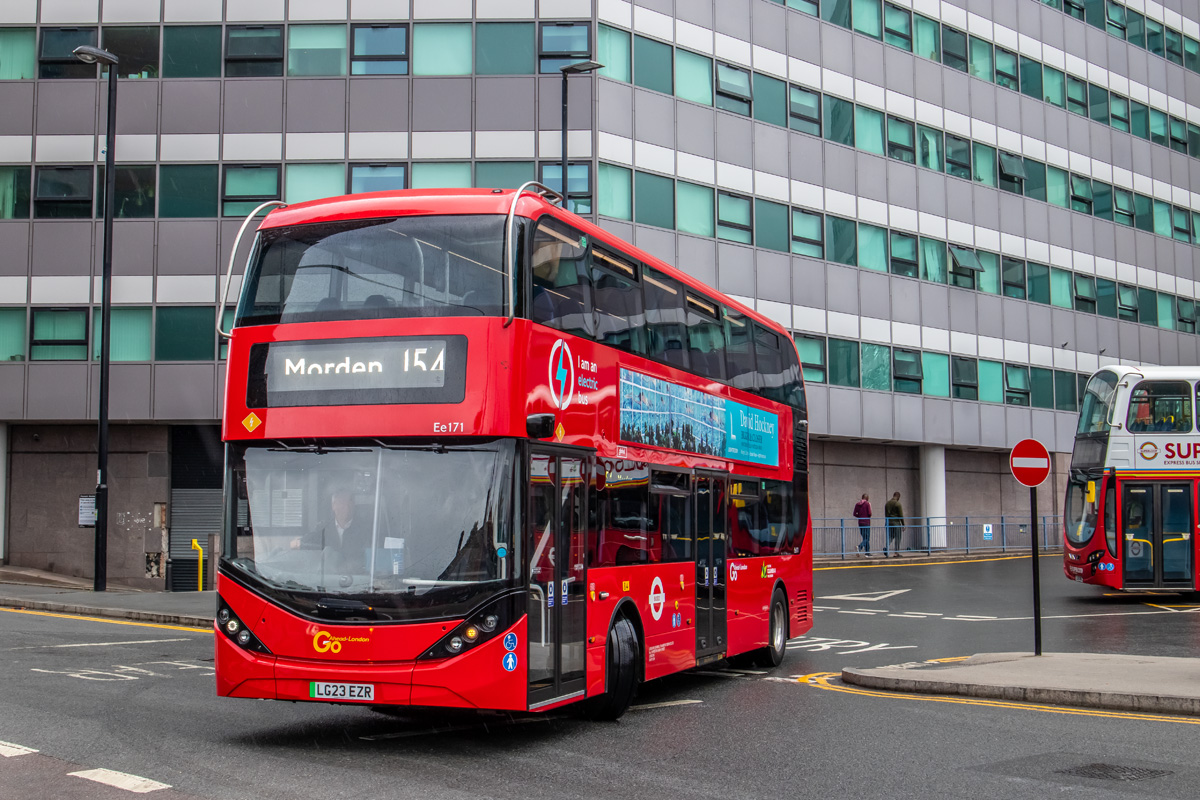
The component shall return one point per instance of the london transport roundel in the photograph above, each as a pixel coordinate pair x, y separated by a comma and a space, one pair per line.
562, 374
1030, 462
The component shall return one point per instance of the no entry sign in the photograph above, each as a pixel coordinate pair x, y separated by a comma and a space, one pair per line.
1030, 462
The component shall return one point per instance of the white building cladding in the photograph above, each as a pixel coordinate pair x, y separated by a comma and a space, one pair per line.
959, 207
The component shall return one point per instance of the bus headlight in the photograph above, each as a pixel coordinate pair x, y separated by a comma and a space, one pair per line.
455, 645
233, 626
243, 637
489, 623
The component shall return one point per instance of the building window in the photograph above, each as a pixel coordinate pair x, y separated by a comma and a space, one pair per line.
188, 190
504, 48
1147, 306
935, 372
733, 89
184, 333
503, 174
807, 6
136, 49
1118, 112
441, 48
804, 110
868, 130
694, 77
58, 334
1181, 224
1016, 385
1159, 129
1037, 282
872, 247
652, 67
1041, 387
563, 43
1185, 311
1006, 69
1057, 187
836, 11
933, 260
841, 236
984, 161
1178, 133
876, 366
866, 17
579, 184
929, 148
1054, 89
1012, 172
1081, 194
1077, 96
964, 268
811, 350
1106, 297
56, 58
1065, 392
12, 334
1154, 37
926, 37
991, 381
770, 100
304, 182
906, 371
1135, 28
1035, 180
1123, 209
134, 190
1085, 293
1098, 103
904, 259
1012, 273
615, 192
954, 48
653, 200
18, 54
614, 51
1174, 48
254, 51
696, 209
989, 276
378, 178
191, 51
1127, 303
897, 26
129, 335
247, 186
1062, 293
901, 141
1074, 8
964, 376
843, 363
1031, 78
981, 59
734, 218
379, 49
1114, 19
14, 192
839, 120
807, 239
62, 192
958, 157
439, 174
771, 226
1139, 119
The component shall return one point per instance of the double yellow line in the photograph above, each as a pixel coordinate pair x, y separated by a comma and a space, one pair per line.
822, 680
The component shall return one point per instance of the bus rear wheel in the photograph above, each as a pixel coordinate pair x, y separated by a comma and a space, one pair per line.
622, 667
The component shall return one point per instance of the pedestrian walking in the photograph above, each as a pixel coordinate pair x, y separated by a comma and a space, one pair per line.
894, 512
862, 511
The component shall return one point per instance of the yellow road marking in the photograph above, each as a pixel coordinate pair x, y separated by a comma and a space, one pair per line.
821, 681
931, 563
109, 621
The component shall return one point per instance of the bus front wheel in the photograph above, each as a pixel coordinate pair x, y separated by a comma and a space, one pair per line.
622, 666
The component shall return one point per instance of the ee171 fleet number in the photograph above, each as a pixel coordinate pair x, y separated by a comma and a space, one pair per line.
448, 427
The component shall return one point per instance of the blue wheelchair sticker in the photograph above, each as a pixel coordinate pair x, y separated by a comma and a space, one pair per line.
510, 661
510, 641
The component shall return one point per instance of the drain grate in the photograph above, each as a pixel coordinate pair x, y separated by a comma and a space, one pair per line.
1113, 772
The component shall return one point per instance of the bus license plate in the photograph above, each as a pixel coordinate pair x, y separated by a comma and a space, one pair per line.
364, 692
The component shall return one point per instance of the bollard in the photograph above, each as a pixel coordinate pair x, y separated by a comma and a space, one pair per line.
199, 566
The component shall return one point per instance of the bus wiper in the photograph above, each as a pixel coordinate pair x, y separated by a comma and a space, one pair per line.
318, 449
339, 608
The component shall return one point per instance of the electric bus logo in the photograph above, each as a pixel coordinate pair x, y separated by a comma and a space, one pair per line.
562, 374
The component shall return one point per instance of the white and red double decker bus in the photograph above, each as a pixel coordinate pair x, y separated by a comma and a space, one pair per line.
483, 454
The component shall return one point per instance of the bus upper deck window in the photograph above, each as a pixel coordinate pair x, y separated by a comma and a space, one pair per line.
1160, 407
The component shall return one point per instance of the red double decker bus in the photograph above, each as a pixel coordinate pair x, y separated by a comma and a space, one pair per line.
483, 454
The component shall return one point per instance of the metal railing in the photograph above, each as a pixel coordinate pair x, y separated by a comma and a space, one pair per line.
834, 537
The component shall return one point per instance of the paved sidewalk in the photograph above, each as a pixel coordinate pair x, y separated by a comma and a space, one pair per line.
1146, 684
191, 609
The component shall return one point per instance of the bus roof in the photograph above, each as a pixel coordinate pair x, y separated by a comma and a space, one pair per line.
405, 202
1179, 373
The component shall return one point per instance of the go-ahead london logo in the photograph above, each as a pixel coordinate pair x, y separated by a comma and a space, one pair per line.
562, 374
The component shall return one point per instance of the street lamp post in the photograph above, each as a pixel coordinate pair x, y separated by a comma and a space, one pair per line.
94, 55
575, 68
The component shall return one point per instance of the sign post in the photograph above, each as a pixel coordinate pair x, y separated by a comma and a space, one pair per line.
1030, 465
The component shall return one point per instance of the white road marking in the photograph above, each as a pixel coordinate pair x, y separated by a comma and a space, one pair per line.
869, 597
715, 673
908, 616
868, 613
825, 608
973, 617
8, 750
649, 706
98, 644
121, 780
1059, 616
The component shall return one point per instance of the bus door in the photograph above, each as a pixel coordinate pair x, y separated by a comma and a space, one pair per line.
1157, 523
555, 541
711, 544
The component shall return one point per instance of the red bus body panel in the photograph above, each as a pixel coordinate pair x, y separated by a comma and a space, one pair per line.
506, 381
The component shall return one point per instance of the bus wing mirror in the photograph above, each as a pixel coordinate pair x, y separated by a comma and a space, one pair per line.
539, 426
224, 334
1091, 491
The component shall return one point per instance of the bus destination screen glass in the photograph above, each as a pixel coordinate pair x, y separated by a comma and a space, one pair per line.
415, 532
418, 266
346, 372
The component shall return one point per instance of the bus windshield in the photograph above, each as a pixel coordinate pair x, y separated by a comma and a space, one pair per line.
416, 266
1081, 516
1097, 403
412, 532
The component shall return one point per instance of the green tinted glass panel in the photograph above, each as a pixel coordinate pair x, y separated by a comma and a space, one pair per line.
1061, 290
843, 363
1054, 89
867, 18
991, 381
18, 57
63, 334
927, 38
841, 240
936, 369
807, 234
188, 190
981, 59
873, 247
185, 333
614, 52
868, 130
507, 48
441, 49
770, 100
694, 78
1031, 78
696, 211
1041, 387
876, 367
734, 217
226, 325
1166, 312
1106, 297
654, 200
316, 50
1065, 391
989, 276
1058, 187
839, 120
313, 181
438, 174
652, 65
14, 192
503, 174
984, 164
1037, 282
129, 330
135, 191
12, 334
929, 148
615, 192
1147, 305
771, 226
933, 260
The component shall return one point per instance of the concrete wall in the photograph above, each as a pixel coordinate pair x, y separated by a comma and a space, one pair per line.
51, 465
